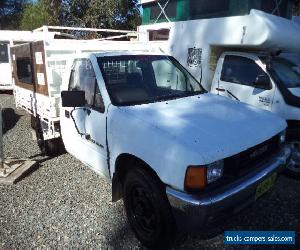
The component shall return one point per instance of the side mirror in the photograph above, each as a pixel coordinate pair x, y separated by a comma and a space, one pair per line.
73, 99
263, 82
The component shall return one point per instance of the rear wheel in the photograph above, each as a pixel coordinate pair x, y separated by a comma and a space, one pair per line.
293, 167
33, 122
51, 147
148, 210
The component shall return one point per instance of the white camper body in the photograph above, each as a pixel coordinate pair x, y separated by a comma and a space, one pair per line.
39, 69
10, 38
203, 46
193, 43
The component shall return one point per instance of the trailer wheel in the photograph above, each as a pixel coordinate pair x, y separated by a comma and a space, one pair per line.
148, 210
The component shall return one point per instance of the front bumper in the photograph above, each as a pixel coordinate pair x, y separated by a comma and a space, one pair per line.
192, 210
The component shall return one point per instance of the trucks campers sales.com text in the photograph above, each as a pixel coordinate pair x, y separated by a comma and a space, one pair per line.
259, 237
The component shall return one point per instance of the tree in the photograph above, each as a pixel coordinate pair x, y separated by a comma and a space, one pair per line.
116, 14
42, 12
11, 13
103, 13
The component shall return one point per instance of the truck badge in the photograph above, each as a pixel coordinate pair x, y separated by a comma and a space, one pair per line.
259, 152
194, 57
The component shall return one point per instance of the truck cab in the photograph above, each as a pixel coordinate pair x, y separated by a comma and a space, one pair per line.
270, 82
175, 153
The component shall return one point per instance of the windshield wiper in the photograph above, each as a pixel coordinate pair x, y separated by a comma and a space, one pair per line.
176, 96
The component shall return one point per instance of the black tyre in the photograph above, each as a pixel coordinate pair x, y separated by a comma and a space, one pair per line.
148, 210
34, 122
54, 147
293, 167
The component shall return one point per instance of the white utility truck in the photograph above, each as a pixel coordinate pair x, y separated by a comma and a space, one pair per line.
138, 118
172, 151
233, 48
10, 38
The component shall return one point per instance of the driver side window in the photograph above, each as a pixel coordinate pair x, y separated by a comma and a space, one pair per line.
83, 78
240, 70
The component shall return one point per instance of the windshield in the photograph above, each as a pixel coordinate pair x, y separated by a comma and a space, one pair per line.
138, 79
288, 72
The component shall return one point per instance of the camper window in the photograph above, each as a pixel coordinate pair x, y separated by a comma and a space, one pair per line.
3, 53
240, 70
159, 35
24, 71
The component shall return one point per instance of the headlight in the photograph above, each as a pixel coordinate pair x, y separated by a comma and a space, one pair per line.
197, 177
282, 137
215, 171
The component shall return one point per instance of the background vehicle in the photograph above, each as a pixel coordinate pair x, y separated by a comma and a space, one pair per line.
205, 36
268, 82
10, 38
170, 149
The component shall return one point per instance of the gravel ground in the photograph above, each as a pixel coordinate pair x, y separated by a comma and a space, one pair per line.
63, 204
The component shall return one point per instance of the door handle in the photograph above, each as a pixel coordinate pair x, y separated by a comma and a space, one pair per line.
221, 90
67, 113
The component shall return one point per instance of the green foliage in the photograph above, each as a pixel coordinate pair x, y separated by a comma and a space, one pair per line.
117, 14
43, 12
103, 13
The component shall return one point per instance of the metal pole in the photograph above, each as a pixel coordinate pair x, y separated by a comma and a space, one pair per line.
1, 142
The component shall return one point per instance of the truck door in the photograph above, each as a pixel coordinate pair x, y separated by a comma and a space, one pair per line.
242, 79
5, 68
89, 145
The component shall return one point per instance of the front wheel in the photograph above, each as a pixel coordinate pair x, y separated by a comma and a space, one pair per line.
293, 167
148, 210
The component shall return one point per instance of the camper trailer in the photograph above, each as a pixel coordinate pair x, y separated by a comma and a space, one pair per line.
234, 49
11, 38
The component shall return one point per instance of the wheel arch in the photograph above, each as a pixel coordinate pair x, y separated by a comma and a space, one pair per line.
123, 164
